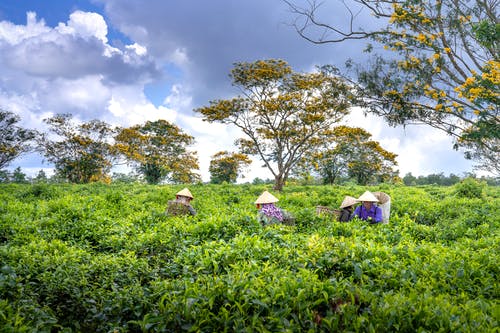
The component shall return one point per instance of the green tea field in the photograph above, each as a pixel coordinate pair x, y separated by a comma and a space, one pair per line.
105, 258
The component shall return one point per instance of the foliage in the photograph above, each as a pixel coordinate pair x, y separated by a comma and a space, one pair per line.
431, 179
159, 150
41, 177
105, 258
470, 188
18, 176
349, 153
225, 166
119, 177
83, 153
445, 71
282, 113
14, 140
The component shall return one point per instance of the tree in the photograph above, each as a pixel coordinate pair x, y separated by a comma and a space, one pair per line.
18, 176
41, 177
119, 177
4, 176
14, 140
349, 152
409, 179
158, 150
282, 113
445, 71
225, 166
83, 154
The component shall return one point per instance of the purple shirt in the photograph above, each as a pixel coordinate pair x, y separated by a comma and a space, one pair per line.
375, 213
270, 210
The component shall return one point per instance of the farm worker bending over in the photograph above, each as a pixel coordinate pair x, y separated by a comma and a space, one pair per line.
181, 205
268, 212
368, 211
346, 208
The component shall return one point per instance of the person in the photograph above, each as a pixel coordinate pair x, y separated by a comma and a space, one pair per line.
182, 204
368, 211
269, 213
346, 208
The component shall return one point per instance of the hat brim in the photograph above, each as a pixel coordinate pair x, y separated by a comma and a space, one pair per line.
266, 197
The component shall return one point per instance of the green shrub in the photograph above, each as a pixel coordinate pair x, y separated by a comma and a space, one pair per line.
470, 188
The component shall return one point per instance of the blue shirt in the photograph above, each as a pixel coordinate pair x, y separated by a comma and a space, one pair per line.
375, 213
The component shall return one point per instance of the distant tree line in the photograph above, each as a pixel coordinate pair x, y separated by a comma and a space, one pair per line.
17, 176
441, 179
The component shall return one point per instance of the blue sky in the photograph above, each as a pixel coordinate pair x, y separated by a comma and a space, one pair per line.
129, 61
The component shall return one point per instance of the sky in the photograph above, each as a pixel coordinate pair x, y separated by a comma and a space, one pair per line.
130, 61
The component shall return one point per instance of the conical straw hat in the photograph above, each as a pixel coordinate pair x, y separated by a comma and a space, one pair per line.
348, 201
266, 197
368, 196
185, 193
382, 197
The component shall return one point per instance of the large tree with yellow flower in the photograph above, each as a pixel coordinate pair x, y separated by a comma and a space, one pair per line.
282, 114
442, 69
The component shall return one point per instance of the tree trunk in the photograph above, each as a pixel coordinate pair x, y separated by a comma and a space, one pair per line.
279, 182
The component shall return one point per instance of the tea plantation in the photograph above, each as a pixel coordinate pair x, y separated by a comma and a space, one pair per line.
105, 258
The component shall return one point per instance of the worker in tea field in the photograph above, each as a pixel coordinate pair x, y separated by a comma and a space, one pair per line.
182, 204
368, 210
347, 208
269, 213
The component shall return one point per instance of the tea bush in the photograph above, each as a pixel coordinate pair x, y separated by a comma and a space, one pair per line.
105, 258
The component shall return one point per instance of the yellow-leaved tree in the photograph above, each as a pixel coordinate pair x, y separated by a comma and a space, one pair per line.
158, 151
350, 153
441, 65
282, 113
226, 167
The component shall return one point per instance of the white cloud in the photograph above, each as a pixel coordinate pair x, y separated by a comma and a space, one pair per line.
129, 107
85, 25
87, 96
14, 34
73, 50
138, 49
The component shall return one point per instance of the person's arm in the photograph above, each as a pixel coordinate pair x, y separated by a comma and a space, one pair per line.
378, 214
357, 212
192, 211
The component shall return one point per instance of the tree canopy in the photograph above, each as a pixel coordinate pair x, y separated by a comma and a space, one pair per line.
226, 167
282, 113
158, 150
350, 153
82, 152
443, 69
14, 140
